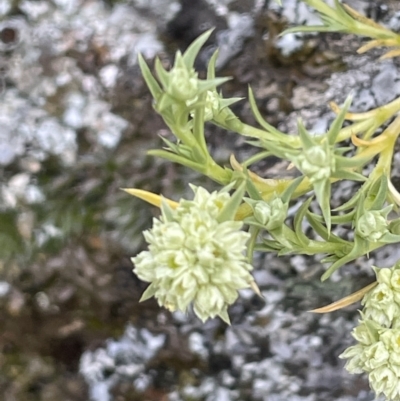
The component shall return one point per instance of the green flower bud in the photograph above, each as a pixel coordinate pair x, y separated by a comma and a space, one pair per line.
211, 107
372, 226
271, 214
193, 258
183, 84
316, 163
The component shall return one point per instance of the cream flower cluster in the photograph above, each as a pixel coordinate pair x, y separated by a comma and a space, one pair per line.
378, 335
193, 257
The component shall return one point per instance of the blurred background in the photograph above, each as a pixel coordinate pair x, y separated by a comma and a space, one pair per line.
76, 121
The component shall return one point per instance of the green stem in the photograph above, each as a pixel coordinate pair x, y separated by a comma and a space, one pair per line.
217, 173
198, 128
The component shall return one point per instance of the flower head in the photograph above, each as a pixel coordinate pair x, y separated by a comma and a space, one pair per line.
271, 214
183, 84
378, 335
378, 357
317, 163
194, 257
372, 225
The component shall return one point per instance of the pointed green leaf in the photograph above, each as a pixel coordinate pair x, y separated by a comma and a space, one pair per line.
228, 102
322, 191
228, 187
330, 259
386, 210
251, 221
348, 175
320, 229
279, 150
298, 220
224, 316
193, 50
285, 251
170, 145
339, 219
390, 238
306, 139
394, 226
176, 159
212, 65
164, 102
162, 75
166, 211
208, 84
290, 235
343, 162
228, 212
288, 192
255, 158
282, 239
350, 203
251, 189
322, 7
338, 122
268, 246
334, 24
381, 196
149, 292
198, 132
360, 248
152, 84
343, 16
343, 218
251, 243
308, 29
184, 134
360, 209
268, 127
339, 263
343, 149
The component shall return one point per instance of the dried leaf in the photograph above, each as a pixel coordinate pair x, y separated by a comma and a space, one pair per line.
150, 197
390, 54
346, 301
